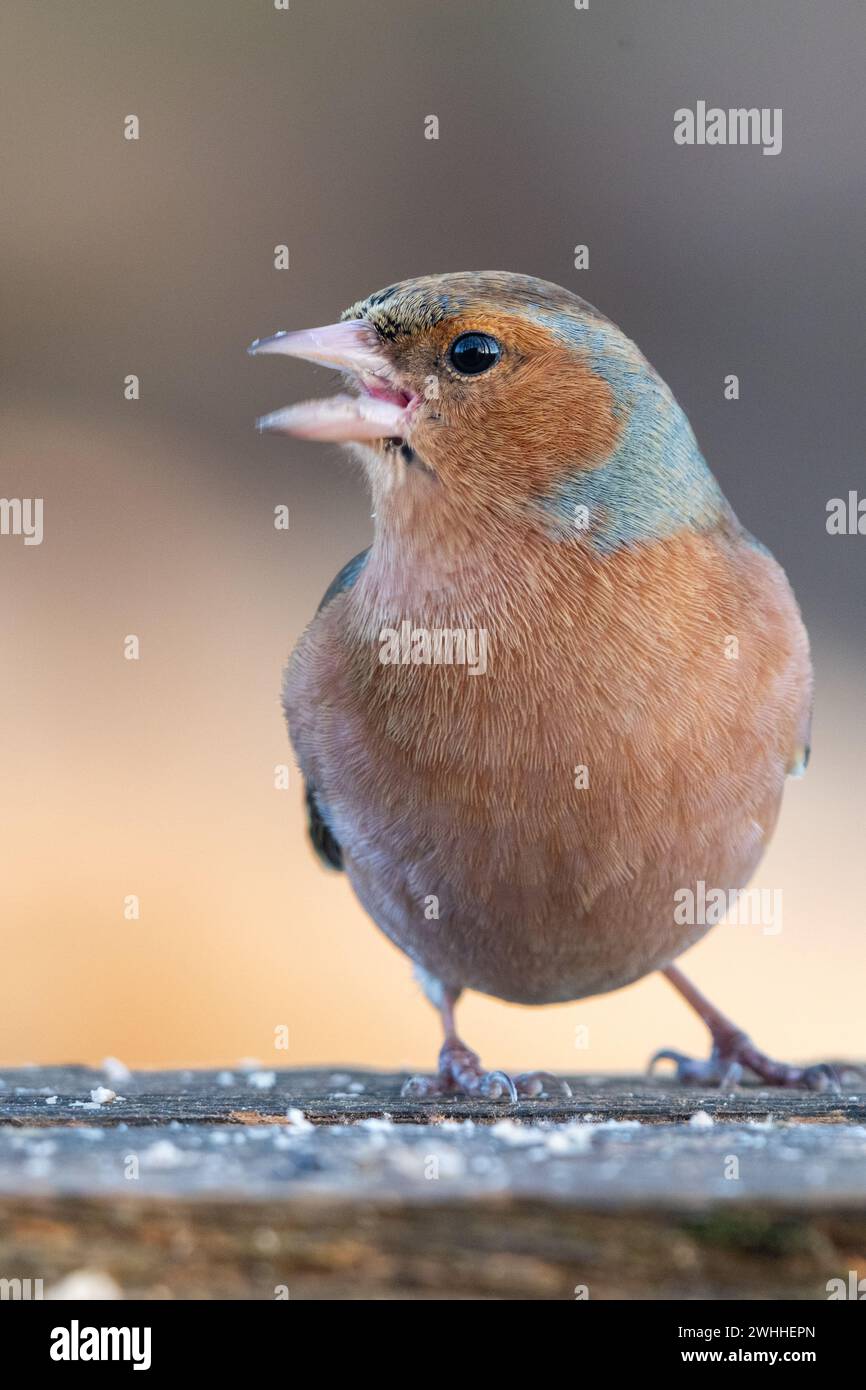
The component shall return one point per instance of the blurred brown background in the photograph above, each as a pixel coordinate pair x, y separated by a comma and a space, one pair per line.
155, 257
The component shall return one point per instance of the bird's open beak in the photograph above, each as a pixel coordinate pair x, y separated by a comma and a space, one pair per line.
381, 410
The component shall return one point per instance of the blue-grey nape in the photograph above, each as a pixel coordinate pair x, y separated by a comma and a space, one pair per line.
656, 481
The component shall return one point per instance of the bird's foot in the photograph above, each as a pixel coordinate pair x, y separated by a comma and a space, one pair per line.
460, 1071
732, 1054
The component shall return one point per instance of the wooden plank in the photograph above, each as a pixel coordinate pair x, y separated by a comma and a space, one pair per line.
503, 1248
340, 1095
326, 1184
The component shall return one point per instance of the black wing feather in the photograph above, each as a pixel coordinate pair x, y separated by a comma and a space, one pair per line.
325, 844
323, 840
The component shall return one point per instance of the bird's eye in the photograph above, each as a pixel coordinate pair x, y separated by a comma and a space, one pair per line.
472, 353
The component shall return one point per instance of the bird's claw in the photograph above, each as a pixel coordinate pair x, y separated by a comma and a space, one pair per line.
461, 1072
489, 1085
543, 1085
693, 1071
497, 1085
421, 1087
734, 1055
823, 1076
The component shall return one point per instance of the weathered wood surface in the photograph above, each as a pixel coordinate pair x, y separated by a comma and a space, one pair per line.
327, 1184
339, 1095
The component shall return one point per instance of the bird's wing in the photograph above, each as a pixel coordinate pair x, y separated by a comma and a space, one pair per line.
345, 579
326, 845
322, 838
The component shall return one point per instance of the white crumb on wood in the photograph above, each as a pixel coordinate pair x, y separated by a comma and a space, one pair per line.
114, 1069
102, 1095
510, 1132
572, 1138
99, 1096
163, 1154
701, 1120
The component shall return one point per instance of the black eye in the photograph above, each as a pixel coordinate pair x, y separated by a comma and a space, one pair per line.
472, 353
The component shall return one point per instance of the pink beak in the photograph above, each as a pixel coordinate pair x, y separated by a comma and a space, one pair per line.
382, 410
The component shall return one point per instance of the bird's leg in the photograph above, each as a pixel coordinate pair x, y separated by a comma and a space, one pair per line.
460, 1071
733, 1050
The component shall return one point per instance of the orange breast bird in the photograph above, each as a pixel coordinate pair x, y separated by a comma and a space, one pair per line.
545, 720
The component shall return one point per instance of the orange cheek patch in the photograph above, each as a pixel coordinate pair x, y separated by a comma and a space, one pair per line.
534, 419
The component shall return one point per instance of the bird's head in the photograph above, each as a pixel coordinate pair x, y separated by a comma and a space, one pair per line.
498, 392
